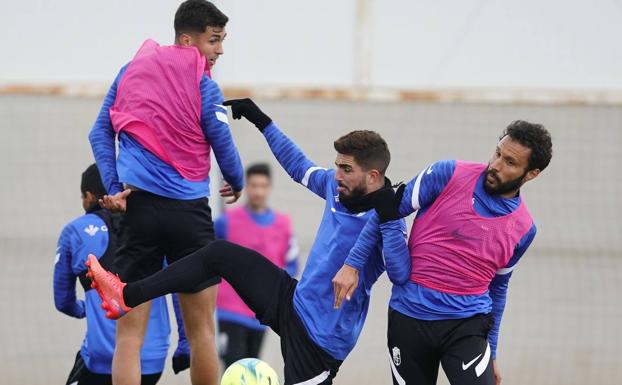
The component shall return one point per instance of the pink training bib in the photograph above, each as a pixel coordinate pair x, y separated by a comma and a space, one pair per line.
453, 249
270, 241
158, 103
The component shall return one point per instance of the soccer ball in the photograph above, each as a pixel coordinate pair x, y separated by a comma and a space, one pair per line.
249, 371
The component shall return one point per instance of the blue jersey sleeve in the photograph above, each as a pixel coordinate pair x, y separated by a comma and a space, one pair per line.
499, 286
368, 239
423, 189
395, 251
220, 227
295, 162
215, 127
102, 139
64, 278
291, 259
392, 235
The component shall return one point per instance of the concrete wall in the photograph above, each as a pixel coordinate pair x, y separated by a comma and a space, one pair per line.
561, 322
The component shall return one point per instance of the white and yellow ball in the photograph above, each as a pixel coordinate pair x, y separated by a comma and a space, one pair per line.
249, 371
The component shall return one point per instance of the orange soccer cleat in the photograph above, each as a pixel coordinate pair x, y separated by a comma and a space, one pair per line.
109, 287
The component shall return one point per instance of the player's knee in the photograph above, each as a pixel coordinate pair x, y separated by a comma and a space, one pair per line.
129, 341
200, 336
218, 247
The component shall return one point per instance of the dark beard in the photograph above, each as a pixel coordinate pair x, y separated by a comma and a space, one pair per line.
503, 188
358, 200
355, 195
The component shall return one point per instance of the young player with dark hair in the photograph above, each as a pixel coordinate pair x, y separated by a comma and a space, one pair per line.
168, 115
315, 337
471, 229
97, 232
257, 226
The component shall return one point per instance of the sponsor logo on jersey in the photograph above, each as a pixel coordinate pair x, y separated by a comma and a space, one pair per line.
91, 230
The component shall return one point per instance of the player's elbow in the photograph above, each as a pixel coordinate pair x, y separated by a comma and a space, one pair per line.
63, 307
399, 278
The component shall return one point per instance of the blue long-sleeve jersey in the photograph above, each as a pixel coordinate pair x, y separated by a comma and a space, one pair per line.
262, 219
80, 237
138, 167
419, 302
335, 331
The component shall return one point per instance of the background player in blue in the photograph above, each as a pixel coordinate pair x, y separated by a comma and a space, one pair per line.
429, 320
315, 338
166, 109
96, 231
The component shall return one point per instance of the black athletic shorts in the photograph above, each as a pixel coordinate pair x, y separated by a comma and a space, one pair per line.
81, 375
154, 227
417, 347
305, 362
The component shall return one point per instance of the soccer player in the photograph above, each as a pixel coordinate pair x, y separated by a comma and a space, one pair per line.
470, 231
168, 115
256, 226
315, 337
97, 232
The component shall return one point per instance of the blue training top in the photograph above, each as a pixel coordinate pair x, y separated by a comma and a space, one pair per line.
85, 235
335, 331
139, 167
424, 303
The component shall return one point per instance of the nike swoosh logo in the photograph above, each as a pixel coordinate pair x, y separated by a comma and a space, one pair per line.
465, 367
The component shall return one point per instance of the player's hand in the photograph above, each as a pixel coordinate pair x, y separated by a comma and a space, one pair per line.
248, 109
227, 192
344, 283
386, 202
497, 372
116, 203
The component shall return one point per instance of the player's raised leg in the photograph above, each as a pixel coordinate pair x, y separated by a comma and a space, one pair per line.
255, 278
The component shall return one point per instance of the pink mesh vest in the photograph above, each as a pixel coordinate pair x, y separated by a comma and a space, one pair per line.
270, 241
453, 249
158, 103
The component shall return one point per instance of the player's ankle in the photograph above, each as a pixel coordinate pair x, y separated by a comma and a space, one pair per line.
131, 295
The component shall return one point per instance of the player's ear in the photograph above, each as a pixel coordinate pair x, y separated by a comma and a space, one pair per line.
90, 198
373, 176
185, 40
531, 174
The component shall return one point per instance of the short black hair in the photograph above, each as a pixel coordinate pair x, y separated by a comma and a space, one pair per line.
368, 148
535, 137
258, 169
92, 182
194, 16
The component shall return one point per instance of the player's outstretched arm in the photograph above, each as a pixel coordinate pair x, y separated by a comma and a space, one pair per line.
392, 235
288, 154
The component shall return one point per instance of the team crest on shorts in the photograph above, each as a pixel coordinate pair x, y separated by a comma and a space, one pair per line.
397, 357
